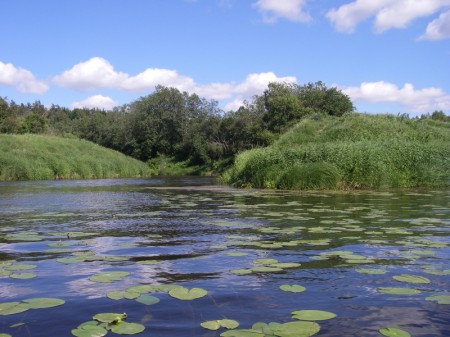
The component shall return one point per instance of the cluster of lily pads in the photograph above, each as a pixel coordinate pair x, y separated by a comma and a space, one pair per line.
17, 271
11, 308
305, 326
105, 322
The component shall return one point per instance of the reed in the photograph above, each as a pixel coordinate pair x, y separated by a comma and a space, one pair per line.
37, 157
352, 152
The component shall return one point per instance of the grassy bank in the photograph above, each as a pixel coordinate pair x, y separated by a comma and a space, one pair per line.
35, 157
352, 152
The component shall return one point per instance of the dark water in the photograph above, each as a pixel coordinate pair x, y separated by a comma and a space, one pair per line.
191, 226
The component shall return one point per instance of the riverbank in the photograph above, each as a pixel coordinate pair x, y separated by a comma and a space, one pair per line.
38, 157
352, 152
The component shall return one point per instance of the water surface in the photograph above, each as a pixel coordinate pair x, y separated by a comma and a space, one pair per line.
211, 237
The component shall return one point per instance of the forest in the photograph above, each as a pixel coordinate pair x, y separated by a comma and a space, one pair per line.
174, 126
177, 132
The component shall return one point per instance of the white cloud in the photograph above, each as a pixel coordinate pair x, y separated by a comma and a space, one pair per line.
292, 10
416, 100
388, 13
98, 73
95, 102
257, 83
22, 79
94, 73
151, 77
254, 84
438, 29
216, 91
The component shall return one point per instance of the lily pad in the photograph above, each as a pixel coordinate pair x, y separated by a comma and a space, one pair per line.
411, 279
188, 294
222, 323
11, 308
109, 277
398, 291
43, 302
371, 271
88, 330
241, 271
23, 276
265, 269
148, 299
265, 261
109, 317
294, 288
16, 267
440, 299
437, 272
286, 265
313, 315
211, 325
125, 328
296, 329
142, 289
237, 254
118, 295
394, 332
242, 333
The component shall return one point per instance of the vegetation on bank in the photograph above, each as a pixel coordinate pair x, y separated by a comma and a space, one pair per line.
297, 137
352, 152
39, 157
179, 127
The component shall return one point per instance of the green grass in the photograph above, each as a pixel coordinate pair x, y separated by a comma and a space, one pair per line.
353, 152
36, 157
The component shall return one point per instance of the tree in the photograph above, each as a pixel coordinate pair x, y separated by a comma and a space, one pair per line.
320, 99
282, 106
34, 123
286, 103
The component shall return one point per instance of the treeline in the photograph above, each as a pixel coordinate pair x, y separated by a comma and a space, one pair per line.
182, 126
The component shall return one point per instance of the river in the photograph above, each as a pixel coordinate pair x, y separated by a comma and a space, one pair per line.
374, 259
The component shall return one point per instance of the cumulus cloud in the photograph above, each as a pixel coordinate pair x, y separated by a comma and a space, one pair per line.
257, 83
98, 73
438, 29
415, 100
254, 84
388, 13
95, 102
292, 10
151, 77
22, 79
94, 73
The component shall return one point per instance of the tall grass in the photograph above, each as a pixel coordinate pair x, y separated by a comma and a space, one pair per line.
357, 151
35, 157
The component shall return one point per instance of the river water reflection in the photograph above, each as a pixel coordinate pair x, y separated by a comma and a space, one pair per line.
375, 259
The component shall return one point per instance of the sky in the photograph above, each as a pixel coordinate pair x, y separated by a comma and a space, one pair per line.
389, 56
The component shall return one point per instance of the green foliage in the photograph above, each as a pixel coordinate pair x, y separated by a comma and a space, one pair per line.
285, 104
37, 157
356, 151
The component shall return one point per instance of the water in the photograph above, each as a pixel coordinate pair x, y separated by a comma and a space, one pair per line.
201, 233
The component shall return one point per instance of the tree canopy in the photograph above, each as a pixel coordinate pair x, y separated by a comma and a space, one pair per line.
181, 125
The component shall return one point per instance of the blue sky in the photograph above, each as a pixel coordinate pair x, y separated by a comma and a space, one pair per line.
387, 55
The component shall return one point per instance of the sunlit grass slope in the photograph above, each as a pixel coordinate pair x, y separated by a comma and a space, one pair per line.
35, 157
351, 152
